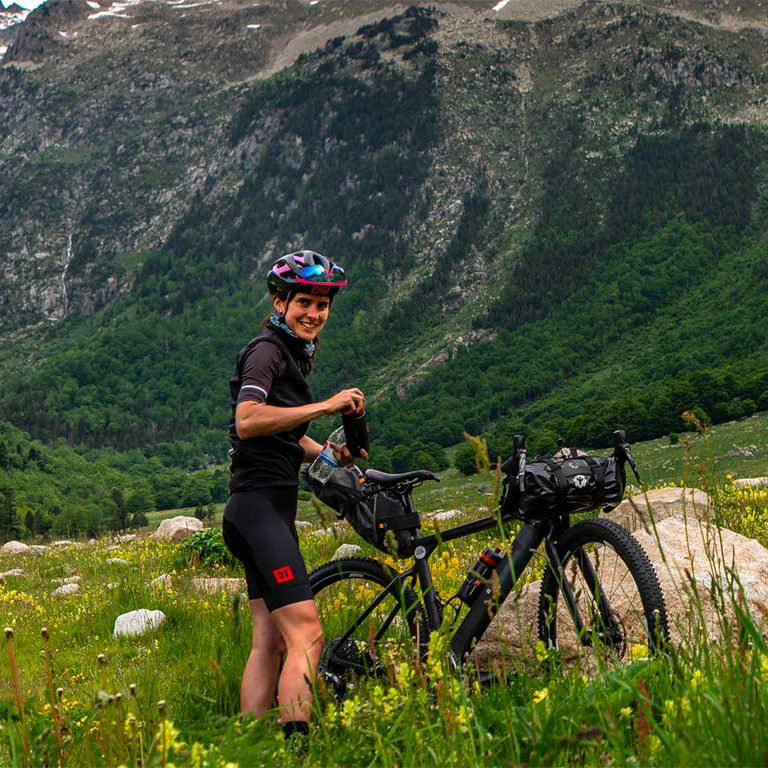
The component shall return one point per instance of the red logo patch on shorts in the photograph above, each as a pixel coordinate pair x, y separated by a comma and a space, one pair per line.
283, 574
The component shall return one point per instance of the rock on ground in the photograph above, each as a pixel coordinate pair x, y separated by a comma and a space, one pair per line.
694, 573
66, 589
324, 532
446, 515
178, 528
124, 538
67, 580
696, 570
38, 549
116, 561
219, 585
138, 622
14, 548
164, 581
12, 572
751, 482
303, 524
347, 550
638, 512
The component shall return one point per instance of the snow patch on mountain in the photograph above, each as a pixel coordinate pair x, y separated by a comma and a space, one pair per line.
9, 18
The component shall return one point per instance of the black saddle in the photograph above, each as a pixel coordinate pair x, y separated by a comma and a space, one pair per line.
386, 480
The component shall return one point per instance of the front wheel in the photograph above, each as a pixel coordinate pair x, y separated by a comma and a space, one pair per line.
606, 602
370, 617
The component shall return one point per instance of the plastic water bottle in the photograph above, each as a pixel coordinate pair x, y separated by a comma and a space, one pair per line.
322, 467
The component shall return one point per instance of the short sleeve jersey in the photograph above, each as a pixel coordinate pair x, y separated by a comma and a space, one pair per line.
262, 366
267, 376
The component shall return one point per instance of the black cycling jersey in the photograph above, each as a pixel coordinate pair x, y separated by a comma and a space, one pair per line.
271, 460
259, 529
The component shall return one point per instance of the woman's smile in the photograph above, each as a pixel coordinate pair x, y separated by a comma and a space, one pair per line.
306, 315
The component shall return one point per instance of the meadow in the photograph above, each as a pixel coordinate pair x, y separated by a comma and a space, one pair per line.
71, 694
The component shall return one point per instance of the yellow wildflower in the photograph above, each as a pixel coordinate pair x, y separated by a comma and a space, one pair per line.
696, 679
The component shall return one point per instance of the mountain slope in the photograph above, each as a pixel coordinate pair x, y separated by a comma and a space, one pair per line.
488, 183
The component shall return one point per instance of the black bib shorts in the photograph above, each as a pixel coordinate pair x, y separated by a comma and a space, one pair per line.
260, 530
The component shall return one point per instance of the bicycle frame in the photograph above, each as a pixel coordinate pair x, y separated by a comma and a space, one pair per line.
486, 605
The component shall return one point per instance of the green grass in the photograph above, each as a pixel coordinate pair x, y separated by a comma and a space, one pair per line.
699, 704
696, 705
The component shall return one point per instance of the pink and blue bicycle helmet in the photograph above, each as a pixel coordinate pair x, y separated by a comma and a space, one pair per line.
305, 272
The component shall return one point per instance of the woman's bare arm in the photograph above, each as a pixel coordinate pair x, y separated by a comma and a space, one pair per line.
260, 420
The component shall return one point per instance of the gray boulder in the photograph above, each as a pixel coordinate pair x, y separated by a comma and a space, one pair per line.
645, 509
163, 581
66, 589
695, 572
138, 622
219, 585
347, 550
751, 482
178, 528
14, 548
67, 580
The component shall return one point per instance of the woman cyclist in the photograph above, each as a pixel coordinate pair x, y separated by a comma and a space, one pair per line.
271, 410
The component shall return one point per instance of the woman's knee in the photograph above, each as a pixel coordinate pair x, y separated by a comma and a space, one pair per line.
300, 626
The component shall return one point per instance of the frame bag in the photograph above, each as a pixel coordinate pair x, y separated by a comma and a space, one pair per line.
381, 517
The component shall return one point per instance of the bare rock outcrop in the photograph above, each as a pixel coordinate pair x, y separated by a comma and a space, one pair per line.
751, 482
212, 585
14, 548
702, 569
178, 528
639, 512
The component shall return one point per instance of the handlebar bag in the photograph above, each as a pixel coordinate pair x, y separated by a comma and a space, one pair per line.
554, 487
380, 517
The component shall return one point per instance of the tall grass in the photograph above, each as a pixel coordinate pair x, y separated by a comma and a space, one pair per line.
84, 698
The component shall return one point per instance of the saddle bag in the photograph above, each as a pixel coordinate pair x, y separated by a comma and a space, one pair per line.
381, 517
567, 483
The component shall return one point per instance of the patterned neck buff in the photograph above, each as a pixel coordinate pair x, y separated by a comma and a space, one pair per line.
278, 323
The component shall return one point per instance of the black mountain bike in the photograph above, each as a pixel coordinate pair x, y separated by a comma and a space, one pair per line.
599, 595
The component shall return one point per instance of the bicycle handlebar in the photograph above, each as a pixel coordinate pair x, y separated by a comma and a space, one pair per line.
621, 450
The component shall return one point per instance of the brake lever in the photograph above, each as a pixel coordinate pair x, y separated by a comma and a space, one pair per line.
631, 461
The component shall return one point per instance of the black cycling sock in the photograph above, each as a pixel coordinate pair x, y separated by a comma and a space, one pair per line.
295, 728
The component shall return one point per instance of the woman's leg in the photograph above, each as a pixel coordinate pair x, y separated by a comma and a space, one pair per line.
299, 626
257, 689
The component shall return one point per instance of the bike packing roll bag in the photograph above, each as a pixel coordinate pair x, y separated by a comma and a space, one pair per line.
379, 517
563, 485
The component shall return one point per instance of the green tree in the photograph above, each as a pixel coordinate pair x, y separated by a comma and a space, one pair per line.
119, 519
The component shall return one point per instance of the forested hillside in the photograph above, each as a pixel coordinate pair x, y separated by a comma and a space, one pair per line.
556, 225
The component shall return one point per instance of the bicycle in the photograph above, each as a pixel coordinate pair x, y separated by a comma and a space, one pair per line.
599, 591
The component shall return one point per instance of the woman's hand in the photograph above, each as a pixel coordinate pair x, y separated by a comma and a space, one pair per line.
346, 401
343, 456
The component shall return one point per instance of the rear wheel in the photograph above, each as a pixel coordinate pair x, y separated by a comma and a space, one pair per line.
616, 612
370, 617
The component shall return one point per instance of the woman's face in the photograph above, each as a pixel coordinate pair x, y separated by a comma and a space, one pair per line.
305, 315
